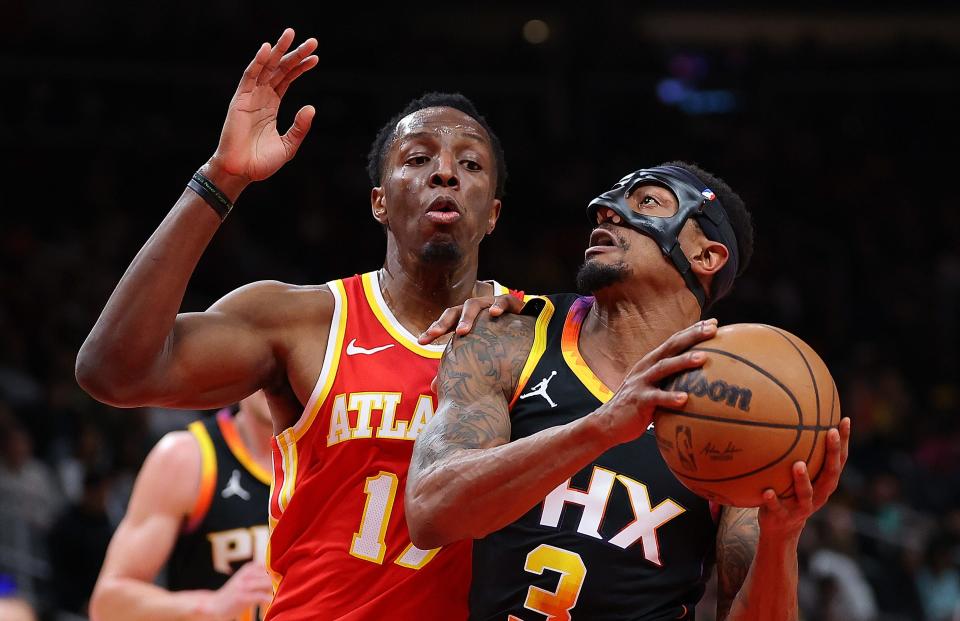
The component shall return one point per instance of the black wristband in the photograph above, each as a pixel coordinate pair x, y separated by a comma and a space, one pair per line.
211, 194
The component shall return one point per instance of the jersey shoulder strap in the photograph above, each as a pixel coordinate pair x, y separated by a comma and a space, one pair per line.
208, 475
542, 308
234, 443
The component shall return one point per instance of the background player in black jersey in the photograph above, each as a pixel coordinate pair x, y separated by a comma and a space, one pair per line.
199, 506
510, 462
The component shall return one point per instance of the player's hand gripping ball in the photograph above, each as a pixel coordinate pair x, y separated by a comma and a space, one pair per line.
762, 401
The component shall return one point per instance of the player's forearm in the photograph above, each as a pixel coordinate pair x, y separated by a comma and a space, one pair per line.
470, 493
126, 599
769, 592
135, 328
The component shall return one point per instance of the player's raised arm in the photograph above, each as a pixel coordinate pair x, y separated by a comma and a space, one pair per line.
137, 352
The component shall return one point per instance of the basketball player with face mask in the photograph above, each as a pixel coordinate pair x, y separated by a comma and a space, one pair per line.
542, 448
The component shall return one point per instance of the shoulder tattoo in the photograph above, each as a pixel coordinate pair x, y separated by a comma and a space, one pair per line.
477, 376
491, 356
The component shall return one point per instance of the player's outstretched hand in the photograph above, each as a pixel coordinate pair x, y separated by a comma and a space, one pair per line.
628, 414
247, 588
785, 517
250, 145
464, 315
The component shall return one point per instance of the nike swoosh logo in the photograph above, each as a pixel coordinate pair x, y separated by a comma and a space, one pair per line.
353, 349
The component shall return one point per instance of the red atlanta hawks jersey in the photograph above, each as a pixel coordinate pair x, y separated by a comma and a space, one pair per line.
339, 547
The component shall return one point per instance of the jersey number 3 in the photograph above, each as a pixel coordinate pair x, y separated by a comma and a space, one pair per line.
369, 543
556, 605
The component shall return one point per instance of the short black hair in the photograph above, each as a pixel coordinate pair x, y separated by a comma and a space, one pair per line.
388, 133
740, 220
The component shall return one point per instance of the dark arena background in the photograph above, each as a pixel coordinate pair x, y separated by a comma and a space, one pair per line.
833, 122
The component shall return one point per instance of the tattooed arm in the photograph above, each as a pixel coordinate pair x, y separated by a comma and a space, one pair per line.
756, 576
466, 478
737, 538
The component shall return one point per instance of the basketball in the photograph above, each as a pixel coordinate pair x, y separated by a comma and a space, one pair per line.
762, 401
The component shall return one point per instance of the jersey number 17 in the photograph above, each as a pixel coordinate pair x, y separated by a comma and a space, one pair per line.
369, 543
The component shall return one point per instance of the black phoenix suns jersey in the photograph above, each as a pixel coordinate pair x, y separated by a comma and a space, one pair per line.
622, 539
228, 524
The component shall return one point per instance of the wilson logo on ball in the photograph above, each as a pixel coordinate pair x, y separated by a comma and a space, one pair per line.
719, 391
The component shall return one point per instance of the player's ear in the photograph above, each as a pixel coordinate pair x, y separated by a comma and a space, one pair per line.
706, 256
378, 205
494, 215
712, 256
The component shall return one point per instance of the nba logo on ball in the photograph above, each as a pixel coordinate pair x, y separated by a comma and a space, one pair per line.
685, 448
708, 194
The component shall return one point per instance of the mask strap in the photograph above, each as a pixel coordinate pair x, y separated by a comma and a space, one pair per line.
686, 271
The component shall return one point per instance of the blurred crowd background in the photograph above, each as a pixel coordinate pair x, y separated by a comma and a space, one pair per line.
832, 122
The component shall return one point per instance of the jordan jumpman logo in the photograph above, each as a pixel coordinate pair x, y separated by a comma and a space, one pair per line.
541, 389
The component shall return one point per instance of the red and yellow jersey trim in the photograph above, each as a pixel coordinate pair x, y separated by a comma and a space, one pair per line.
275, 577
570, 346
231, 435
208, 476
539, 344
285, 458
285, 444
331, 361
390, 323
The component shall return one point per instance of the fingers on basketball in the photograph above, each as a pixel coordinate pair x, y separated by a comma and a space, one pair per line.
761, 402
684, 340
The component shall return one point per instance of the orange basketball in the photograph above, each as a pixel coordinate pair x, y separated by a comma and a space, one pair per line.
762, 401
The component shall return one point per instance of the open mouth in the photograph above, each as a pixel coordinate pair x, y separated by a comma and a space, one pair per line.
443, 210
601, 237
